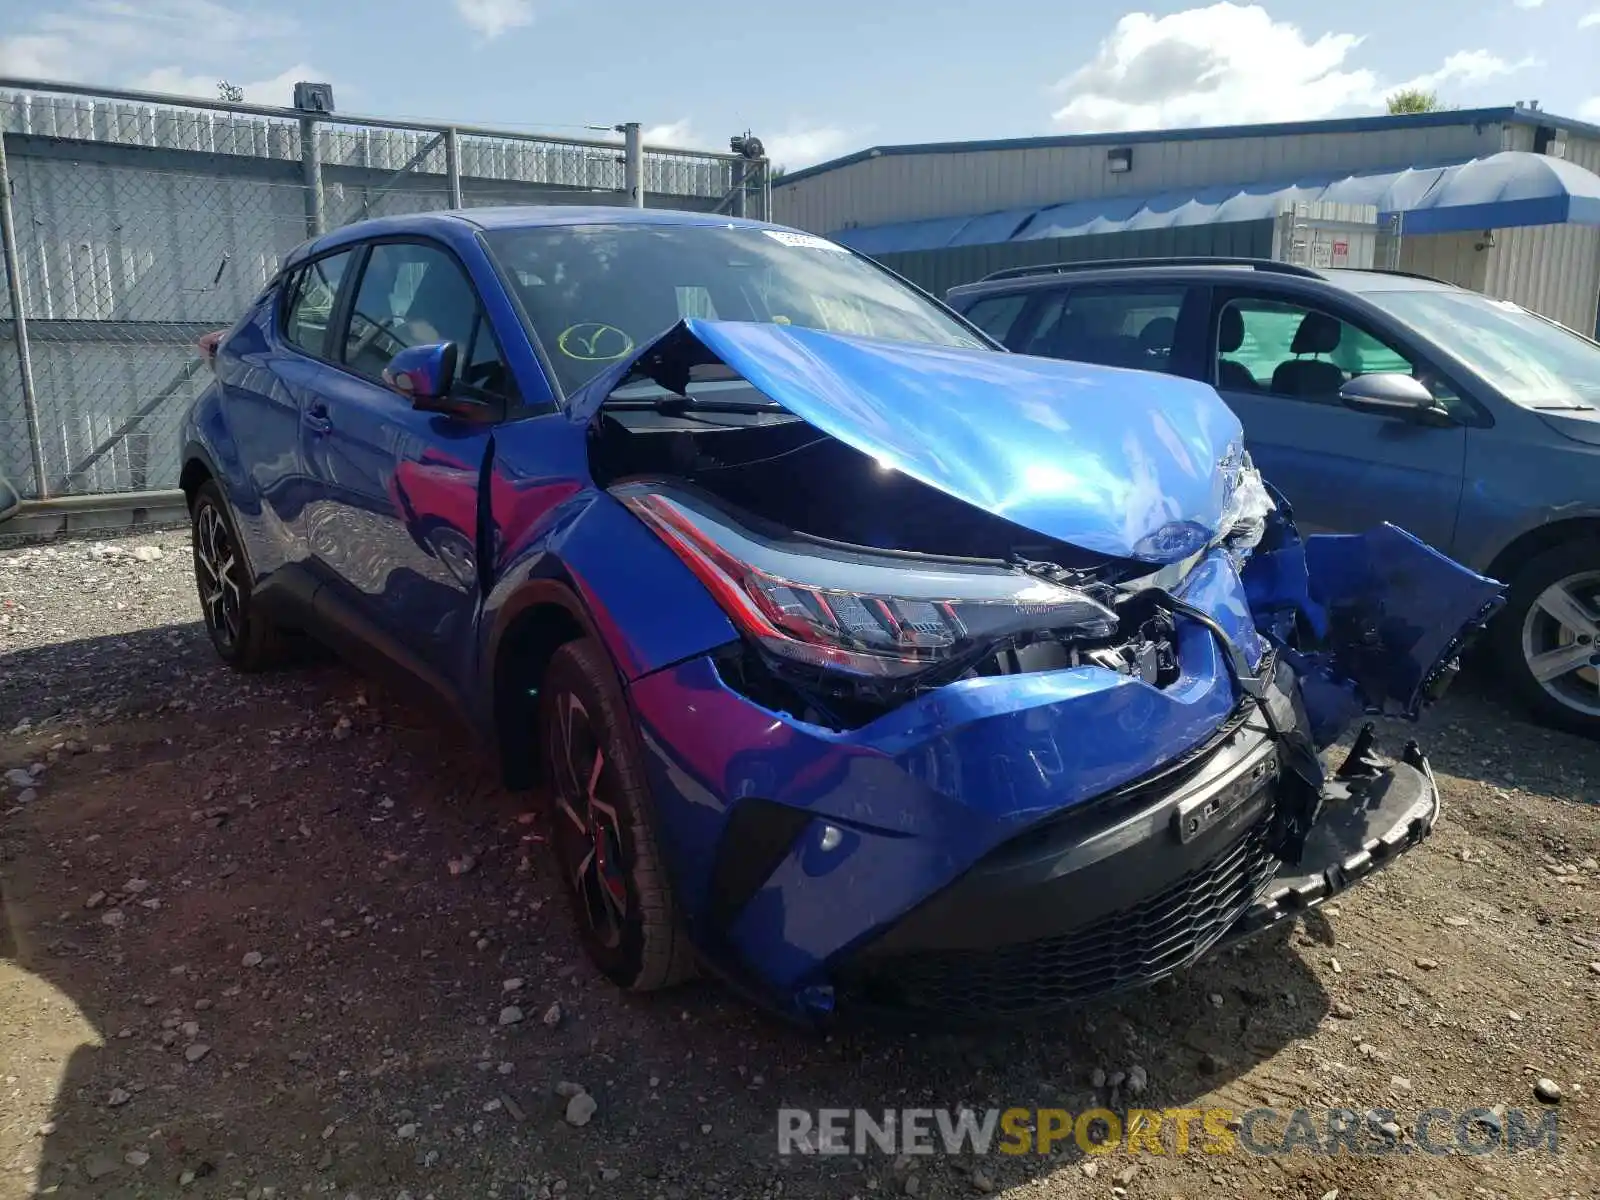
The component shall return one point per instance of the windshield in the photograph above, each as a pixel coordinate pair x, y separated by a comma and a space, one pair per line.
596, 293
1534, 362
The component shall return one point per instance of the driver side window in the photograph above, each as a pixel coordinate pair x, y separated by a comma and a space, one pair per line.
415, 295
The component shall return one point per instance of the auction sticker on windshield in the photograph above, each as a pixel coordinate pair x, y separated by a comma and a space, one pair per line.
803, 241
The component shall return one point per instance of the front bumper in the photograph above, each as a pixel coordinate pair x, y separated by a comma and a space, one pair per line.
1149, 881
1010, 844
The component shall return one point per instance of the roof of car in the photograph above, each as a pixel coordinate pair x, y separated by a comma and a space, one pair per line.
1346, 279
521, 216
525, 215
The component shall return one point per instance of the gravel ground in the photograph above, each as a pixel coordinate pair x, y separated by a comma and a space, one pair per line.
280, 935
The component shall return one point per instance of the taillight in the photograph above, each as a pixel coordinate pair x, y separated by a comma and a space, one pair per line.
858, 610
208, 344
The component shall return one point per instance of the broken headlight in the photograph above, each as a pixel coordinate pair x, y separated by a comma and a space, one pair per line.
1246, 505
866, 612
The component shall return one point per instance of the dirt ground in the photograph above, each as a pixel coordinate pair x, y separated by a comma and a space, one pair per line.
260, 937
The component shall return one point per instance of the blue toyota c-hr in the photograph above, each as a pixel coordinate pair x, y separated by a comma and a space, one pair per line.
862, 663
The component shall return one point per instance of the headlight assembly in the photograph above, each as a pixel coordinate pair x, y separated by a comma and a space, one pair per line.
1247, 505
859, 611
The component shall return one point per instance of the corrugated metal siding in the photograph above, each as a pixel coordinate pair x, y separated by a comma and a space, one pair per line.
900, 187
1552, 269
938, 271
1585, 152
485, 161
1452, 257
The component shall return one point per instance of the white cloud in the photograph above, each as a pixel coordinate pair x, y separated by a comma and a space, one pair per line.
793, 148
37, 57
1589, 110
1468, 66
164, 45
1589, 19
494, 17
1229, 64
1223, 64
1528, 3
679, 134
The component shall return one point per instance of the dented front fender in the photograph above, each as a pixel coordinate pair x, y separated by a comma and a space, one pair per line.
1372, 622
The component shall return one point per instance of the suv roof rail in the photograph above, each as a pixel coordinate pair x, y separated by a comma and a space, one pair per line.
1404, 274
1259, 264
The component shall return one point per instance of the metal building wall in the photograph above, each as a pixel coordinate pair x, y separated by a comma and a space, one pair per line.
937, 271
1452, 257
901, 187
1552, 269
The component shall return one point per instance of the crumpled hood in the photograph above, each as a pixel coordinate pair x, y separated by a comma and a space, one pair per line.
1122, 463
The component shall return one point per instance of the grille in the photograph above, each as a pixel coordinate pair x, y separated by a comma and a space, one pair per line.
1130, 948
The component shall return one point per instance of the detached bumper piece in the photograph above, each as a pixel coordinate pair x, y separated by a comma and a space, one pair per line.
1139, 887
1374, 810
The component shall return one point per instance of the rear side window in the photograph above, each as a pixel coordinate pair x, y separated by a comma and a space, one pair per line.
995, 315
308, 305
1112, 326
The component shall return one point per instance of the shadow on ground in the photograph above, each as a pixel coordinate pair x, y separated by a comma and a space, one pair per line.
282, 933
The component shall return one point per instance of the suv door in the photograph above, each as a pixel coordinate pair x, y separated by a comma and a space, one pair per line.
1279, 363
264, 395
395, 531
1140, 326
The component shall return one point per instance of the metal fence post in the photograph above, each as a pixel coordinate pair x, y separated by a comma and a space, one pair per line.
766, 189
452, 166
633, 164
19, 326
311, 160
740, 168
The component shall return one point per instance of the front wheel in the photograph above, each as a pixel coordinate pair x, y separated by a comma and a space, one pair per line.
1547, 639
601, 833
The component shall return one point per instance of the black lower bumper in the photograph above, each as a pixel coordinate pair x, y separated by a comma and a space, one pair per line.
1139, 884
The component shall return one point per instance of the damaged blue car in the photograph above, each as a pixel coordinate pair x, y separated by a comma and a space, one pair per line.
863, 664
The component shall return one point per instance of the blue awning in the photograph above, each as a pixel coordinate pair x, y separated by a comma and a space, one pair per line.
1496, 192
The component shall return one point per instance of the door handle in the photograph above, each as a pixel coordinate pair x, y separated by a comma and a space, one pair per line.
317, 420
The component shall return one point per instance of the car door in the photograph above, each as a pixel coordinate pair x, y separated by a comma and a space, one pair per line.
264, 385
395, 530
1142, 326
1280, 362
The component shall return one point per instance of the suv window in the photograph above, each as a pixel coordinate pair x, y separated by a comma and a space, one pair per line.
308, 304
416, 295
996, 314
1112, 326
1291, 350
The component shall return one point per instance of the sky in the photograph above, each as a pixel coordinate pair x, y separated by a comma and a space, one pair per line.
823, 78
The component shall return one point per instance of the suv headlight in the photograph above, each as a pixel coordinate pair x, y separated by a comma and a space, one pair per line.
1246, 507
866, 612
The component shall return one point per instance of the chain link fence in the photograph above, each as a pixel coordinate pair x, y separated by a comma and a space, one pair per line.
138, 222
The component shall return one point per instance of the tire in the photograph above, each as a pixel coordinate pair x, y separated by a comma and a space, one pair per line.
243, 637
1567, 579
601, 831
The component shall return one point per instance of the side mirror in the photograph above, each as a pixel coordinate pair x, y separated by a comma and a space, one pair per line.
425, 375
1391, 394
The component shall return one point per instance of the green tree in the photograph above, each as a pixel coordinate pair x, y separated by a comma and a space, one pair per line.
1414, 100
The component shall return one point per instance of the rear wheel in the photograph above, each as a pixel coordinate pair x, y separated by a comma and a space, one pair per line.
243, 637
1547, 639
601, 833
